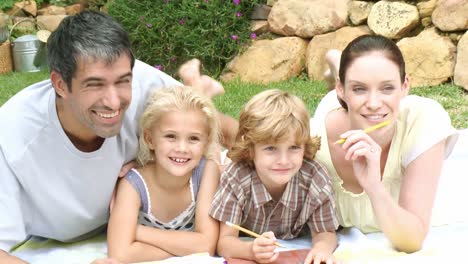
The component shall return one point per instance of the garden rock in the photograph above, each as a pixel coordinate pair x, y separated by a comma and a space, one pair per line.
52, 10
320, 44
451, 15
429, 57
73, 9
393, 19
29, 7
49, 22
358, 11
461, 66
268, 61
307, 18
259, 26
426, 8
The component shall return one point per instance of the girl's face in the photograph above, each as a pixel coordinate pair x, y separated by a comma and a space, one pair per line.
179, 141
372, 90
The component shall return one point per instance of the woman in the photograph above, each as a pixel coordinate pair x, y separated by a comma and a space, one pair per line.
385, 180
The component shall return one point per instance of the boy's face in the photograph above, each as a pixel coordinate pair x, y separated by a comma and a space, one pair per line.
277, 163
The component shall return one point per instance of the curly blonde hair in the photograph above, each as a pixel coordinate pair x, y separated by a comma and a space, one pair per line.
170, 99
270, 117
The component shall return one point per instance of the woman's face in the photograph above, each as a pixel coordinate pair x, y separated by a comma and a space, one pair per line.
372, 90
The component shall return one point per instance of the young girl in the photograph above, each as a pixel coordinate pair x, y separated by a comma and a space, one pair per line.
161, 208
274, 187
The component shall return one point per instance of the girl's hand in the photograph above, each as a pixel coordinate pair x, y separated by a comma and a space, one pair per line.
263, 248
317, 257
364, 153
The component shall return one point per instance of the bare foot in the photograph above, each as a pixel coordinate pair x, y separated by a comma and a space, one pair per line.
190, 74
333, 60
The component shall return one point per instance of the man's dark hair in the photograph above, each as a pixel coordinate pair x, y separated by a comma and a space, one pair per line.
89, 34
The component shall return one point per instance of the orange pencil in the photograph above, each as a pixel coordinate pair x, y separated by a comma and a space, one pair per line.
240, 228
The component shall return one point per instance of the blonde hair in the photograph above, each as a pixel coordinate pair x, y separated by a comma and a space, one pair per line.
171, 99
270, 117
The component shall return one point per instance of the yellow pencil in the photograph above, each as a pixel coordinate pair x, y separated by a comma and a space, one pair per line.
367, 130
240, 228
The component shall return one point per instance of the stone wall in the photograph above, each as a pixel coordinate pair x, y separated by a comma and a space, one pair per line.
28, 16
294, 36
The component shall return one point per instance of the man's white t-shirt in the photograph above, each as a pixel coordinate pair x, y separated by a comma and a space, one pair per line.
48, 187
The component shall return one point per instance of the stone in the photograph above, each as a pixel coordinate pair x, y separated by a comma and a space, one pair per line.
29, 7
260, 12
393, 19
307, 18
451, 15
268, 61
358, 11
271, 2
461, 66
426, 8
259, 26
52, 10
320, 44
429, 57
49, 22
73, 9
426, 22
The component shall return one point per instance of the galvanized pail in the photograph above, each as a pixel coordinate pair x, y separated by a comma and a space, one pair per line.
25, 51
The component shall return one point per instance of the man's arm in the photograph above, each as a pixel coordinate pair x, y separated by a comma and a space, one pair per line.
12, 228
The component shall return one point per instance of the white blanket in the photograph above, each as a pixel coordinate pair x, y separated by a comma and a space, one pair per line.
442, 243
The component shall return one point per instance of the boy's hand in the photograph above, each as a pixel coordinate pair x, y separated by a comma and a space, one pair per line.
263, 248
317, 256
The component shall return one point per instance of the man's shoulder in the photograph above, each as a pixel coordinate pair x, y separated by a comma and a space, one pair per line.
25, 115
147, 77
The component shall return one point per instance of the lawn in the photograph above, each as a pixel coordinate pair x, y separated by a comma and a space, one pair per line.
454, 99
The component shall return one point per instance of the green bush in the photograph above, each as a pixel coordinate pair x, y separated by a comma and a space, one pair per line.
166, 33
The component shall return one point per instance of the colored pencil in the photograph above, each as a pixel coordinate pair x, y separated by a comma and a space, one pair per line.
367, 130
240, 228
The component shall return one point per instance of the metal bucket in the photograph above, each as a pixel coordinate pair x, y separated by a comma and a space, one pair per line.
26, 57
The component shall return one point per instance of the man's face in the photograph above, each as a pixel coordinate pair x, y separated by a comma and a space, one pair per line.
100, 94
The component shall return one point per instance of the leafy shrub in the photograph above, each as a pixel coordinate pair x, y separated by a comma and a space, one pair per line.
166, 33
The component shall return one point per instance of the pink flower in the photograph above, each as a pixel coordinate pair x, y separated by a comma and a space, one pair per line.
253, 36
234, 37
236, 2
159, 67
182, 21
238, 14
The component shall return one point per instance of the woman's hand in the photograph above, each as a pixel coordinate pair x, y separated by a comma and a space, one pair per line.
364, 153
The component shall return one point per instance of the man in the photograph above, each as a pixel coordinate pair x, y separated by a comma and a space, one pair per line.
64, 141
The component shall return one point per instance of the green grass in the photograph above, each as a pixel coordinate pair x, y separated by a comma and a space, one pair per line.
13, 82
453, 98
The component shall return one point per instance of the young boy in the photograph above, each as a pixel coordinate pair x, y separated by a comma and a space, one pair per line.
273, 186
